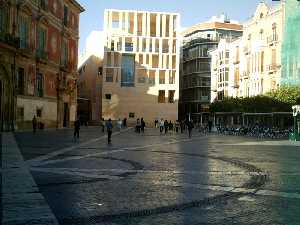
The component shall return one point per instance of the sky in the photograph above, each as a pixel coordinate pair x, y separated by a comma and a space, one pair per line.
191, 11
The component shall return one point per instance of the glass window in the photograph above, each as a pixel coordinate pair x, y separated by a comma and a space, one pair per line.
23, 32
20, 81
128, 71
171, 96
162, 77
108, 96
66, 15
128, 47
39, 85
161, 96
64, 52
41, 42
115, 24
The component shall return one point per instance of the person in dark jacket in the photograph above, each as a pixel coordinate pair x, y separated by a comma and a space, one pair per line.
166, 125
190, 127
76, 129
143, 124
109, 127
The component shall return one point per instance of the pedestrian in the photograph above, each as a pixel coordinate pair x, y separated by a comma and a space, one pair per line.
103, 125
143, 124
119, 124
34, 124
109, 127
125, 122
161, 125
138, 126
170, 126
190, 127
166, 125
155, 123
177, 125
181, 126
76, 129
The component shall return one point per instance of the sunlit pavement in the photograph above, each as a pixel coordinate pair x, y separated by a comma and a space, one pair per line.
47, 178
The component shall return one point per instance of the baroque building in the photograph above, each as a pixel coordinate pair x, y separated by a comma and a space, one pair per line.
250, 65
38, 62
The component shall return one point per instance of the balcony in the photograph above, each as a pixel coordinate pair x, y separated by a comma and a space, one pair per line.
272, 68
41, 56
246, 50
272, 39
10, 40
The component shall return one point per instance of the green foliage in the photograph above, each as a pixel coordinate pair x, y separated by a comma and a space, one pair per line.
256, 104
287, 94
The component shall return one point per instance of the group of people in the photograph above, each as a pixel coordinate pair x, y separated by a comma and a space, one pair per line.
165, 126
140, 125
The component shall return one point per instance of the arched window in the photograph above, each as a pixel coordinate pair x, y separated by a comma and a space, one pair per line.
261, 15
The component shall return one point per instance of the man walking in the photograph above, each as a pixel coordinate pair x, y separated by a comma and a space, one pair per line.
76, 129
143, 124
190, 127
161, 126
109, 128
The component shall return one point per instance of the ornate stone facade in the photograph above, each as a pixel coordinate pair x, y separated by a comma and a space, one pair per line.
38, 62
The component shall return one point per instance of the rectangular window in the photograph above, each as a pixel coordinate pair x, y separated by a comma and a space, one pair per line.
39, 85
262, 62
151, 79
39, 112
128, 47
20, 81
112, 46
161, 96
108, 96
171, 96
66, 15
172, 77
128, 71
115, 24
43, 4
142, 77
3, 20
162, 77
109, 75
23, 32
131, 115
41, 43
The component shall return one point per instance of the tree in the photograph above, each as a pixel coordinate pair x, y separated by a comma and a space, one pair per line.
287, 94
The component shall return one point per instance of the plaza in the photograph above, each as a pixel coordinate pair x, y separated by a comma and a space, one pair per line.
149, 178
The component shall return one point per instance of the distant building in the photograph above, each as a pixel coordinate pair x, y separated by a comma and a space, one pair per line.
195, 69
141, 65
38, 62
251, 65
90, 90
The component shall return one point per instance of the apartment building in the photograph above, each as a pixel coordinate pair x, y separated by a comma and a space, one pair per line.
141, 65
38, 62
250, 65
195, 66
90, 90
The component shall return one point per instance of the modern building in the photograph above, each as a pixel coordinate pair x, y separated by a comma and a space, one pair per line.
250, 65
90, 90
141, 65
38, 62
195, 69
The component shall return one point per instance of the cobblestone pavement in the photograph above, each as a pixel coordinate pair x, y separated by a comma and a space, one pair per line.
148, 179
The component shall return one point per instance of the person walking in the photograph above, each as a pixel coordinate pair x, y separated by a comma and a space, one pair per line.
181, 126
109, 127
166, 125
76, 129
190, 127
143, 124
177, 125
119, 124
161, 126
138, 126
34, 124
